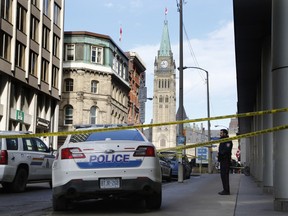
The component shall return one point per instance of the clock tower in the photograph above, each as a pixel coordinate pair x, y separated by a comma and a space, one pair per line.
164, 96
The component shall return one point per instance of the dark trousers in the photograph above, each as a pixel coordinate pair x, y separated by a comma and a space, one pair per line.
224, 172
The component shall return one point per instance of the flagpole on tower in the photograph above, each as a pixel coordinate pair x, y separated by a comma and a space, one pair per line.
120, 33
166, 12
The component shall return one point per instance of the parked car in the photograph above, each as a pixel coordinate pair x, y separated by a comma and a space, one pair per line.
173, 158
166, 169
106, 164
24, 160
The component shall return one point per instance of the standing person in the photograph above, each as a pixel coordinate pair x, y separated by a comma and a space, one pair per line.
224, 157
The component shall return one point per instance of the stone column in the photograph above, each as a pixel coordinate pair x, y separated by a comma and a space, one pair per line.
280, 100
267, 119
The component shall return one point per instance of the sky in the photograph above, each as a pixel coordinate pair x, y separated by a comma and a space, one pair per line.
208, 43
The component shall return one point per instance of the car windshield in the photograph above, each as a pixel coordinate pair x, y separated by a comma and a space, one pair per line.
133, 135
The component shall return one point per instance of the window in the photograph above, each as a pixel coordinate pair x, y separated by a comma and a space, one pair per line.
166, 99
12, 144
70, 52
125, 74
6, 10
45, 38
68, 85
40, 145
35, 3
120, 70
162, 143
96, 54
46, 7
34, 144
21, 18
20, 55
29, 145
44, 70
68, 110
56, 41
34, 28
132, 135
5, 45
55, 72
115, 64
94, 85
57, 10
25, 99
33, 63
93, 115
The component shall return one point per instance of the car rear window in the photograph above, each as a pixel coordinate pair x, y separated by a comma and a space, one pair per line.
133, 135
169, 155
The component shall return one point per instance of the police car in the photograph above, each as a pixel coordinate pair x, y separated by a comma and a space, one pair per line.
23, 160
119, 163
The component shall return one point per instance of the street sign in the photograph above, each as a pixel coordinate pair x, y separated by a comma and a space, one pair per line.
181, 140
202, 155
142, 96
142, 112
20, 115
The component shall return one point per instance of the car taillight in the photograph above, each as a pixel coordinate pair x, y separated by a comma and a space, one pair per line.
3, 157
147, 151
71, 153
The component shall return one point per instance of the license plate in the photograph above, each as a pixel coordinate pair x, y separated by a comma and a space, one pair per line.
109, 183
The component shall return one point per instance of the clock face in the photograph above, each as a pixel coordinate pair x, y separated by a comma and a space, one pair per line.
164, 64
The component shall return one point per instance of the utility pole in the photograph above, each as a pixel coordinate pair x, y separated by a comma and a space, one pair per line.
180, 164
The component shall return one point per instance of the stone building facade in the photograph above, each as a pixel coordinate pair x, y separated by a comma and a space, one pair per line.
95, 81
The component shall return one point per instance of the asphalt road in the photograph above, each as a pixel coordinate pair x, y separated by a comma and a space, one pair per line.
37, 201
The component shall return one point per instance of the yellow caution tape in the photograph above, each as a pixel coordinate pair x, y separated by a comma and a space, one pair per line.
209, 144
65, 133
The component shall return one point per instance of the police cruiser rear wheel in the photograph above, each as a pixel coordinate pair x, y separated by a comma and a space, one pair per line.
60, 203
154, 201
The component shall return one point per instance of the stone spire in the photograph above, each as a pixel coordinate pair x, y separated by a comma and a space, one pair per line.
165, 47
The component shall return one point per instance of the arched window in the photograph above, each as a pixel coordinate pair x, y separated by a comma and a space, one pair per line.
94, 86
68, 112
160, 99
68, 84
162, 143
93, 115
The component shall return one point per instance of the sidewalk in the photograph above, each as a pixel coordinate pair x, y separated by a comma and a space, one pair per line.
252, 201
246, 197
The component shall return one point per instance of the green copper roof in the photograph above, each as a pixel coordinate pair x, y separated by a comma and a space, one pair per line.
165, 47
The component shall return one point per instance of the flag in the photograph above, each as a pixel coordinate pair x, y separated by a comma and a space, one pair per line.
166, 10
120, 36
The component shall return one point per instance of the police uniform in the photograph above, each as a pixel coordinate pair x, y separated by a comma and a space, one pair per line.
224, 157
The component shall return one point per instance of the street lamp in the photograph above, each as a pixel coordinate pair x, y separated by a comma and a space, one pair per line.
208, 115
